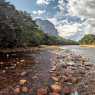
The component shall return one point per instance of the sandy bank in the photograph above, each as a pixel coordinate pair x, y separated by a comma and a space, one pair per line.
88, 46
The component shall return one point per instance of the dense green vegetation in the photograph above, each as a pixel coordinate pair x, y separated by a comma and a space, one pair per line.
17, 29
57, 40
88, 40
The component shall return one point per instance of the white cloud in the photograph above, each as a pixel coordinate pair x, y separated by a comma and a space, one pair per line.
53, 20
34, 12
38, 12
61, 8
43, 2
84, 8
68, 29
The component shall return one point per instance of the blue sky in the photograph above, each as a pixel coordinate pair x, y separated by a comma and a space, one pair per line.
64, 14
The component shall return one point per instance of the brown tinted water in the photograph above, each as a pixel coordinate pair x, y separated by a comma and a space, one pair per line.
33, 66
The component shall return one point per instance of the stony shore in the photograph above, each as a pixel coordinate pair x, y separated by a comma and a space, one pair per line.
65, 74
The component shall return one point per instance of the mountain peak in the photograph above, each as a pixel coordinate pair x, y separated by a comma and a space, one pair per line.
47, 27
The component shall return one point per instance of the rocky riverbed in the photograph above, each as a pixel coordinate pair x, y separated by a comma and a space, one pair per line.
49, 71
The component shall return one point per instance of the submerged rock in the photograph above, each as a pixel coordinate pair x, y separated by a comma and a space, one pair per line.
42, 91
17, 90
67, 90
56, 79
24, 89
54, 93
56, 88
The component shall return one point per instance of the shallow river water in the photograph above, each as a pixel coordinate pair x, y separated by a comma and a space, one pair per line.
86, 52
33, 66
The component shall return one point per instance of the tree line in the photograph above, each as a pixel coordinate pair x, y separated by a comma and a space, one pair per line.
88, 40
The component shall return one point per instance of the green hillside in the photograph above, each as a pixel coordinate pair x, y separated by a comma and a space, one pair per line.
88, 40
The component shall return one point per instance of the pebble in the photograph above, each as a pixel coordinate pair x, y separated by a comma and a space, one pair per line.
18, 62
22, 60
53, 68
4, 71
23, 73
35, 77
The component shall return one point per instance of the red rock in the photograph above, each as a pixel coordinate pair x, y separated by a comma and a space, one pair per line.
66, 90
42, 91
17, 90
30, 90
56, 88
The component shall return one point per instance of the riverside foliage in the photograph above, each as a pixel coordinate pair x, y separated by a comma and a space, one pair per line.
88, 40
18, 29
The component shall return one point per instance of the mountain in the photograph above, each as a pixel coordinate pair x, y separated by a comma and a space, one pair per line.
47, 27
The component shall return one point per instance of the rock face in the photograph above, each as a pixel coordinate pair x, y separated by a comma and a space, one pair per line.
47, 27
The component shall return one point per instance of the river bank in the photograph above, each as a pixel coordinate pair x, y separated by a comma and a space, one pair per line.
13, 50
88, 46
52, 71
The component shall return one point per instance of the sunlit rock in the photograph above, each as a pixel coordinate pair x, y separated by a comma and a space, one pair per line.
1, 63
22, 82
53, 68
18, 62
23, 73
35, 77
24, 89
7, 55
70, 63
22, 60
56, 88
4, 71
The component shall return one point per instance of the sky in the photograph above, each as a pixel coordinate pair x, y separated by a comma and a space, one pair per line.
72, 18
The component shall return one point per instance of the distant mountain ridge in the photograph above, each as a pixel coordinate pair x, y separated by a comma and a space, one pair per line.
47, 27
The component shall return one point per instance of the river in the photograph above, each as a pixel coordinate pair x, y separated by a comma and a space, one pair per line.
84, 51
34, 66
